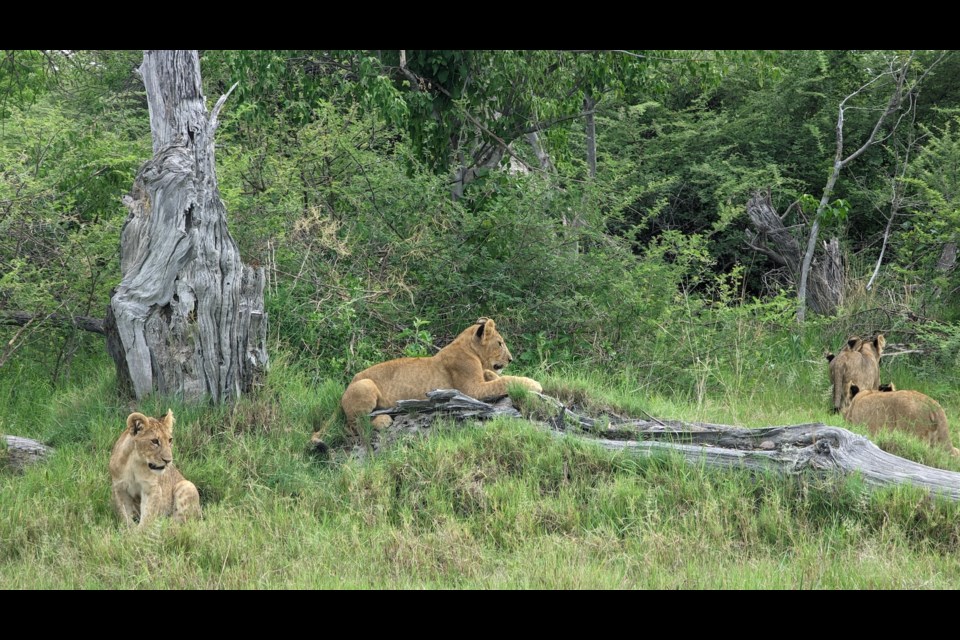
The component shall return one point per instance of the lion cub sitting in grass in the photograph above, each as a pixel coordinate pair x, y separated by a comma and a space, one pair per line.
910, 411
145, 482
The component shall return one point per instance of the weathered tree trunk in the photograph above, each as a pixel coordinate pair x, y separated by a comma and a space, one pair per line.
828, 278
22, 452
772, 238
789, 450
533, 139
487, 156
187, 317
948, 257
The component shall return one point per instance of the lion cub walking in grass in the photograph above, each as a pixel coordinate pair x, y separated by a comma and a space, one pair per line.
909, 411
470, 364
145, 482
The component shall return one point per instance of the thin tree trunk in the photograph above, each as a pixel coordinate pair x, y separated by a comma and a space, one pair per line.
812, 241
589, 106
533, 139
900, 92
20, 318
187, 317
948, 257
883, 248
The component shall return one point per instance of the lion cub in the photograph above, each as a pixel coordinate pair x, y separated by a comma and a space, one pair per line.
145, 482
858, 363
909, 411
471, 364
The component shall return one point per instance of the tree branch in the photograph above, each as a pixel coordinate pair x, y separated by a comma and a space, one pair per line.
20, 318
417, 80
214, 122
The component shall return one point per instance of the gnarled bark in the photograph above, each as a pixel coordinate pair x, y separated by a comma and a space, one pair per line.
771, 237
187, 317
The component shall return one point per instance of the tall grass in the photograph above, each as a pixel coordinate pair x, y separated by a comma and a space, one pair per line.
504, 505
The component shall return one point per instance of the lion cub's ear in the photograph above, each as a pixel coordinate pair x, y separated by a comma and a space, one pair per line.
829, 356
136, 422
485, 330
168, 419
854, 390
854, 343
888, 387
879, 342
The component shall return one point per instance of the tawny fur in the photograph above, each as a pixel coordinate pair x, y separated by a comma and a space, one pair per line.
146, 484
909, 411
858, 363
470, 364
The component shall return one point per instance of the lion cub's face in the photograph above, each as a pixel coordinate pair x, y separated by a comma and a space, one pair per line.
490, 346
153, 439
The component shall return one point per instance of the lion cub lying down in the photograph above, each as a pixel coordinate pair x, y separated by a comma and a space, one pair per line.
909, 411
145, 482
470, 364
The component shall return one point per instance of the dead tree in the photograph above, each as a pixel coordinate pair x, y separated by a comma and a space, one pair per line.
187, 317
782, 244
901, 102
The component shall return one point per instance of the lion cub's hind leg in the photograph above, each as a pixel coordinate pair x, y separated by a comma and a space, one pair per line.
186, 501
360, 398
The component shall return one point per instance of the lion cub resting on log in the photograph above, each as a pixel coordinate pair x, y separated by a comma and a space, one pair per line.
909, 411
470, 364
145, 482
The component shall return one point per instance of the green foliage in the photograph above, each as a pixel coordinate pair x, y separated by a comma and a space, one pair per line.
23, 78
933, 220
419, 340
834, 214
61, 181
632, 291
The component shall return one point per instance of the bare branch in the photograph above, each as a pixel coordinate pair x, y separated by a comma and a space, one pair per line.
896, 98
414, 80
22, 319
214, 122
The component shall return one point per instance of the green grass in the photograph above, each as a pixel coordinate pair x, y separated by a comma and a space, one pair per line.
505, 505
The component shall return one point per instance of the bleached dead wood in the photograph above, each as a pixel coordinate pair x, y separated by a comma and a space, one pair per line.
22, 452
187, 317
814, 448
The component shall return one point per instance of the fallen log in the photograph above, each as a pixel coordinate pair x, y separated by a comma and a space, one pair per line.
815, 448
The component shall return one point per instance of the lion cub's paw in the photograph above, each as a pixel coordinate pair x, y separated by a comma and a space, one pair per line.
532, 385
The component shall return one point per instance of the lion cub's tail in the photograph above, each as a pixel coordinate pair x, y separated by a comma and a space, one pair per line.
317, 444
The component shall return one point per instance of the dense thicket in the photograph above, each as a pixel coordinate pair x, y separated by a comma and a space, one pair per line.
593, 202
